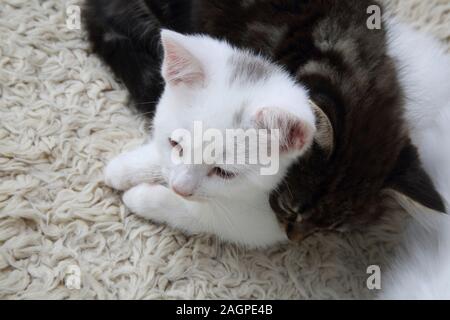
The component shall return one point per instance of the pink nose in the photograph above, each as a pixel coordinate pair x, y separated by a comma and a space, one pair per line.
182, 193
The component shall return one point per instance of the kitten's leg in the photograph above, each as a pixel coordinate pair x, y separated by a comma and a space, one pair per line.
132, 168
160, 204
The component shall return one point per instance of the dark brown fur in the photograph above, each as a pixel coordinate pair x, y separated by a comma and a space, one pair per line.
327, 47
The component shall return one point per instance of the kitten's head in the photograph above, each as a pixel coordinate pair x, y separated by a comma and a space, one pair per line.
212, 84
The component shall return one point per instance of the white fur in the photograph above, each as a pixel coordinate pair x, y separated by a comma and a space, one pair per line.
236, 210
422, 267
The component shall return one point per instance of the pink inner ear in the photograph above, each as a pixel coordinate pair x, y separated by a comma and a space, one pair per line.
294, 133
179, 65
296, 137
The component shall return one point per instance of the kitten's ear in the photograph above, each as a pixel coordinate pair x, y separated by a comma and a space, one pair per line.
325, 133
410, 180
180, 66
295, 134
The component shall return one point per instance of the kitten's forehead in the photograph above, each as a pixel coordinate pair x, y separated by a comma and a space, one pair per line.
249, 69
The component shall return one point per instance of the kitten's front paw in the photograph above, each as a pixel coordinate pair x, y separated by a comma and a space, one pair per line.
116, 175
134, 198
147, 200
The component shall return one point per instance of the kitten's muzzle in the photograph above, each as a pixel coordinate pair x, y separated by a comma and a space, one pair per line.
182, 193
186, 179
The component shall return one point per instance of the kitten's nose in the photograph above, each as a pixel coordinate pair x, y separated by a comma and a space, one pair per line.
182, 193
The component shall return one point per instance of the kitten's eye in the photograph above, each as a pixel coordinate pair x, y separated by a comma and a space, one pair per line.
224, 174
177, 145
173, 143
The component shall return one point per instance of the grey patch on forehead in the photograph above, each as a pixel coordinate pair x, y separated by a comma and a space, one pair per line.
247, 68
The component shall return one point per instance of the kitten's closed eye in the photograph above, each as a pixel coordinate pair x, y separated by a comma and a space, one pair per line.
176, 145
224, 174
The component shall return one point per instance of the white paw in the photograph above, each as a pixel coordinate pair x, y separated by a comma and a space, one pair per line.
116, 175
146, 200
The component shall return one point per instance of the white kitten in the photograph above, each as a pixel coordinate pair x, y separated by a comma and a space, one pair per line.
225, 88
422, 270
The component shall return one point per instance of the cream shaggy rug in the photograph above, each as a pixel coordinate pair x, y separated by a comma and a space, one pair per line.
62, 117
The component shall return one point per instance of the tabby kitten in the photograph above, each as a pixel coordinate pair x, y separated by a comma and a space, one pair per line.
361, 144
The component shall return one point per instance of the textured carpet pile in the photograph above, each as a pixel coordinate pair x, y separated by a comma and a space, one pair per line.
62, 117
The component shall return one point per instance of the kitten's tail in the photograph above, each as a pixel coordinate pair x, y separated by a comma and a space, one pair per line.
422, 269
126, 35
